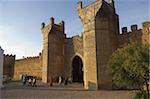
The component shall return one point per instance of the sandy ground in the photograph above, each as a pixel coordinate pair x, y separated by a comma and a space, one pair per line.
15, 90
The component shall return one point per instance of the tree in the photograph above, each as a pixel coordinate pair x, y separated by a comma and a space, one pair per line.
129, 65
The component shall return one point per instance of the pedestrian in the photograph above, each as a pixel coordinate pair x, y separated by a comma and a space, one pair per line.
21, 77
66, 81
30, 82
51, 81
24, 80
34, 82
69, 80
59, 80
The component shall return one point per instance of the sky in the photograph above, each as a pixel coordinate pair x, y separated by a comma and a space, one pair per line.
20, 21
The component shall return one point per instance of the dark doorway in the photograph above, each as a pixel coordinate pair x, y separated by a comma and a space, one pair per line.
77, 69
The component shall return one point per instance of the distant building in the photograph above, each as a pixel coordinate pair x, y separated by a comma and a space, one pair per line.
82, 58
1, 66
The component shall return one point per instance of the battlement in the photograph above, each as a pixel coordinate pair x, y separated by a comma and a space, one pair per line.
9, 56
133, 28
135, 34
80, 3
124, 30
29, 58
51, 24
81, 6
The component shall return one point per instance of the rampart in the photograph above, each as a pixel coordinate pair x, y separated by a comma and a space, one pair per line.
135, 34
31, 66
100, 38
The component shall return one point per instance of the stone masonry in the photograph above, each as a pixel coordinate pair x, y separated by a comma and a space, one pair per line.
83, 58
30, 66
99, 39
53, 50
8, 65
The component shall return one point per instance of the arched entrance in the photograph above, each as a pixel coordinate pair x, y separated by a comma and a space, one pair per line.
77, 69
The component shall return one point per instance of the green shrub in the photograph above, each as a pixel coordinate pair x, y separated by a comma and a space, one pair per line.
141, 95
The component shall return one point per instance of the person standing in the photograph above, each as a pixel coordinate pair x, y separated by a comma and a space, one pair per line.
29, 82
24, 80
51, 81
59, 80
34, 82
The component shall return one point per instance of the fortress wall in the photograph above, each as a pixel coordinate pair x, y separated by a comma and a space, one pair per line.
78, 44
8, 63
30, 66
135, 34
69, 52
73, 47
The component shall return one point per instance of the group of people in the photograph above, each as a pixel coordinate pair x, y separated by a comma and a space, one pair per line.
28, 80
31, 80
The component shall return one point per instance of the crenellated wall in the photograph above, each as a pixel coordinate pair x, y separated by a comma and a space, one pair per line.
31, 66
8, 63
135, 34
99, 39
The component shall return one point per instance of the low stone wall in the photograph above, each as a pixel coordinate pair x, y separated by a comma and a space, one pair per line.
30, 66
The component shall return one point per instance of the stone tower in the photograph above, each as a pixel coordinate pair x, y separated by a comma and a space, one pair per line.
53, 50
100, 30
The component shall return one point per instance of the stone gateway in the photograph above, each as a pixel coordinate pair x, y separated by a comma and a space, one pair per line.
84, 58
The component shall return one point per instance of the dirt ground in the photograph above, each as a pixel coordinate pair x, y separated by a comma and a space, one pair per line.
15, 90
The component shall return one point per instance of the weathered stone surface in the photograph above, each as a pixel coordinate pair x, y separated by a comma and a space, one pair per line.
31, 66
8, 65
99, 39
53, 51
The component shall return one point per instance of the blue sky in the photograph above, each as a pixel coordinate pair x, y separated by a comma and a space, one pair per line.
20, 21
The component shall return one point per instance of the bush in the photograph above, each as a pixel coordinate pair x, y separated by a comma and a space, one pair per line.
141, 95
